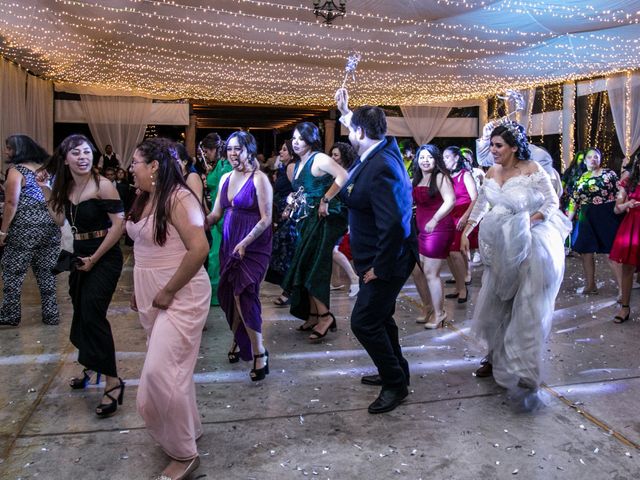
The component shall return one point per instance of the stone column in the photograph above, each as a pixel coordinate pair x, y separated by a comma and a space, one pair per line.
190, 136
329, 134
483, 115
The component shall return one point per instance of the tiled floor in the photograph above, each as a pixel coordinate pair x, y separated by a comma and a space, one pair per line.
309, 418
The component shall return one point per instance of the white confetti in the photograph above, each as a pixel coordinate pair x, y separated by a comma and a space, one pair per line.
582, 462
515, 472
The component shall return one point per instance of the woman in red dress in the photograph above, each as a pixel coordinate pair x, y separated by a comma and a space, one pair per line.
626, 245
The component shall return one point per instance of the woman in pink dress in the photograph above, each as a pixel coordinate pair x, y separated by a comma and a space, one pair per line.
171, 294
626, 245
434, 198
466, 193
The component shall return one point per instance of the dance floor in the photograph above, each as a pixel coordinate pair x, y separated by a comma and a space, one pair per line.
309, 418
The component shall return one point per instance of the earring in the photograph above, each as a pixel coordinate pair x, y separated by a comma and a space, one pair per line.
153, 180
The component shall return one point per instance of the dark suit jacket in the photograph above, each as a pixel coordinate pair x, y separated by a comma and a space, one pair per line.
378, 195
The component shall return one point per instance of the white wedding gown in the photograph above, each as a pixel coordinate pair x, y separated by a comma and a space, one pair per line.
524, 267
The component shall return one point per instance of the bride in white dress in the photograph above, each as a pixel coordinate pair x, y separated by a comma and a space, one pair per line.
522, 247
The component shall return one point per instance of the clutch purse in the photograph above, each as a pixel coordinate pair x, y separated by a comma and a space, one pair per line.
67, 262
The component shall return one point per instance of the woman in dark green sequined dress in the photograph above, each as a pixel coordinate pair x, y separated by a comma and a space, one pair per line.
309, 275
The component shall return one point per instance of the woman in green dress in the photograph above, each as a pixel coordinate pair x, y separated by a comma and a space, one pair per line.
211, 146
309, 275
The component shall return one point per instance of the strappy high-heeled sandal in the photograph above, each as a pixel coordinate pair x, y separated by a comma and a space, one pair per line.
310, 327
78, 383
619, 319
316, 335
257, 374
105, 409
233, 355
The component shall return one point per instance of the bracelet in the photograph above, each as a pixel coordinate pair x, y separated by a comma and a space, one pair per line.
324, 199
3, 234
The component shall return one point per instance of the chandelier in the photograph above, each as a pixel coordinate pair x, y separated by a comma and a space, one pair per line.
329, 10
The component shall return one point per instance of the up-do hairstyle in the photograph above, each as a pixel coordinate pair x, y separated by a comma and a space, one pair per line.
168, 179
212, 141
248, 141
514, 135
26, 150
348, 154
311, 135
439, 167
370, 119
62, 179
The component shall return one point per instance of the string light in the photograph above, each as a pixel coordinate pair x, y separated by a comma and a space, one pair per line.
627, 116
164, 48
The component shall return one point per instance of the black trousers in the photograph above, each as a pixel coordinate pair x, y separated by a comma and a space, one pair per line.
373, 325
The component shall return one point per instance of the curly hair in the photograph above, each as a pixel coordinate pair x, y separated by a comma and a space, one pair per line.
348, 154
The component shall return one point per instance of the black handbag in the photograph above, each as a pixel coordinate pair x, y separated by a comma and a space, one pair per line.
67, 262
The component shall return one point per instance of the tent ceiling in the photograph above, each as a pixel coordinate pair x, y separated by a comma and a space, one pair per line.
275, 52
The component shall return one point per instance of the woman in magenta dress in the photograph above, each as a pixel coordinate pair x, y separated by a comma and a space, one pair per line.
466, 193
626, 245
434, 197
245, 199
171, 294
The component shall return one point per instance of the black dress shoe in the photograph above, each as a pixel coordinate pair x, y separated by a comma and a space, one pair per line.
485, 370
371, 380
388, 399
376, 380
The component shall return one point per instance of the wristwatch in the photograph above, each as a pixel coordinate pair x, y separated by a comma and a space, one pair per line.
324, 199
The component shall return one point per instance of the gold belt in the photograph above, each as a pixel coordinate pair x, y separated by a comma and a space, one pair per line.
90, 235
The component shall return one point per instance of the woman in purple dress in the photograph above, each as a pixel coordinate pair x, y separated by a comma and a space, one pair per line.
245, 199
434, 197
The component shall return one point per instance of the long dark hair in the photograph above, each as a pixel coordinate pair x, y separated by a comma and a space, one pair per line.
439, 167
62, 179
348, 154
288, 144
577, 166
311, 135
25, 149
634, 176
168, 181
461, 163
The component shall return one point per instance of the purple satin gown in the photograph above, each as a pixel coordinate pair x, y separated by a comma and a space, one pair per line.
242, 277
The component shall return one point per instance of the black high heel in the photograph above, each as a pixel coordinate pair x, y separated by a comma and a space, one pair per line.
316, 335
302, 328
619, 319
466, 296
105, 409
257, 374
233, 356
80, 383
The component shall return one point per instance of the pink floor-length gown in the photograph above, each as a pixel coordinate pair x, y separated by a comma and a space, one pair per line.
166, 394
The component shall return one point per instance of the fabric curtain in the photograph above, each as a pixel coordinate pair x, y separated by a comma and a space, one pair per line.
117, 121
624, 98
424, 122
13, 118
39, 108
523, 117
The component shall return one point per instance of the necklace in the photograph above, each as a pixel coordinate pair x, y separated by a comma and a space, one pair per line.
73, 215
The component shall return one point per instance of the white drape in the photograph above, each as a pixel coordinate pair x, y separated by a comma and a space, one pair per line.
523, 117
424, 122
39, 109
117, 121
624, 98
12, 102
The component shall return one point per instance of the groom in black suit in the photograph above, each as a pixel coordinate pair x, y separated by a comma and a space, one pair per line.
384, 248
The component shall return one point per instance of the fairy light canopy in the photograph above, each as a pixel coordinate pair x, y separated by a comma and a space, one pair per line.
278, 53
